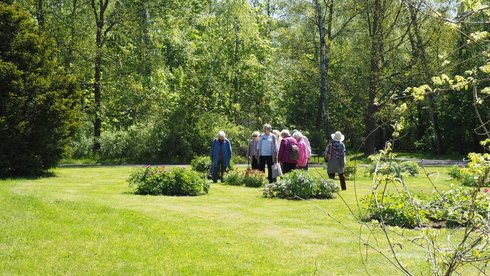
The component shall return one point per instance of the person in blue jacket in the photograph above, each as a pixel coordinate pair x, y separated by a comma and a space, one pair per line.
220, 156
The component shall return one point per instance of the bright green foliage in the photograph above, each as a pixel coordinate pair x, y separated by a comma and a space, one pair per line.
398, 169
247, 178
394, 209
162, 181
459, 206
350, 170
254, 178
477, 174
201, 164
176, 72
455, 172
37, 98
299, 184
455, 207
234, 177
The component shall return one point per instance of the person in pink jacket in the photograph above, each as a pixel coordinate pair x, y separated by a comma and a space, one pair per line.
303, 151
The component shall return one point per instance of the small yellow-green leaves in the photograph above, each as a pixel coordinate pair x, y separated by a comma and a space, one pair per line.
461, 83
485, 143
478, 36
442, 79
474, 5
402, 108
485, 68
418, 93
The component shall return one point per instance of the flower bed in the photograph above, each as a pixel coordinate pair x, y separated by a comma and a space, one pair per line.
248, 178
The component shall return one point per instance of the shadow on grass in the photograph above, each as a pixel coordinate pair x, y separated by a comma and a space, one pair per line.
41, 175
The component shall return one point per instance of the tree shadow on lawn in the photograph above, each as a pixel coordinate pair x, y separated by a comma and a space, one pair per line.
47, 174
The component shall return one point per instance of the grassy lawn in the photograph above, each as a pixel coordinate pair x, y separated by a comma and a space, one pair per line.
86, 221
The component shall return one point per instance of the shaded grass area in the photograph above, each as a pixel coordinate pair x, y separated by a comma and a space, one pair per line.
86, 221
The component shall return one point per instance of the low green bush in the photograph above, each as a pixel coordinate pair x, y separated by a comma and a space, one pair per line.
201, 164
298, 184
455, 172
476, 174
161, 181
465, 176
410, 167
247, 178
395, 210
350, 171
395, 168
452, 208
458, 206
254, 178
325, 189
234, 178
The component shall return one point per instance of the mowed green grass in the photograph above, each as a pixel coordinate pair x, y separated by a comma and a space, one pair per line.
87, 221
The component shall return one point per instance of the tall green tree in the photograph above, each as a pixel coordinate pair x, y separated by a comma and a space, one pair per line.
37, 100
105, 19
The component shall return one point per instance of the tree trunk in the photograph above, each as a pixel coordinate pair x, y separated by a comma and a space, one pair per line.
71, 43
236, 81
99, 43
97, 87
376, 36
421, 53
269, 18
41, 19
146, 43
323, 71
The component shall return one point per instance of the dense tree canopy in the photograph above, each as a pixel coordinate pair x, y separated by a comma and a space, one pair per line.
37, 98
157, 79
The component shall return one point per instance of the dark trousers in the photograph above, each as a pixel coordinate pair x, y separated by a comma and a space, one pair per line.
287, 167
263, 160
218, 171
342, 180
255, 163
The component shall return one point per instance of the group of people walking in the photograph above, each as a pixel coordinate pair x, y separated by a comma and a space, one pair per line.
272, 148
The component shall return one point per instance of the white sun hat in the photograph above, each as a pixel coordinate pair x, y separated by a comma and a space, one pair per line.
338, 136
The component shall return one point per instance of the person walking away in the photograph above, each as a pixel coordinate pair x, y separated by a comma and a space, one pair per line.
279, 138
303, 151
308, 147
252, 153
267, 151
335, 156
220, 156
288, 152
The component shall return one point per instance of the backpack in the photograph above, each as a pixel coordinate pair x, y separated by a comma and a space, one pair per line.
328, 153
294, 154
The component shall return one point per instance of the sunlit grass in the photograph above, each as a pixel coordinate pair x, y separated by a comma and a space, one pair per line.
86, 221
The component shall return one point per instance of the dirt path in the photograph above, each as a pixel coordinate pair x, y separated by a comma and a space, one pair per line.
435, 162
422, 162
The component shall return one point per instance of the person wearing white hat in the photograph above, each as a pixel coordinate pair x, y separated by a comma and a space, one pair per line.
335, 157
